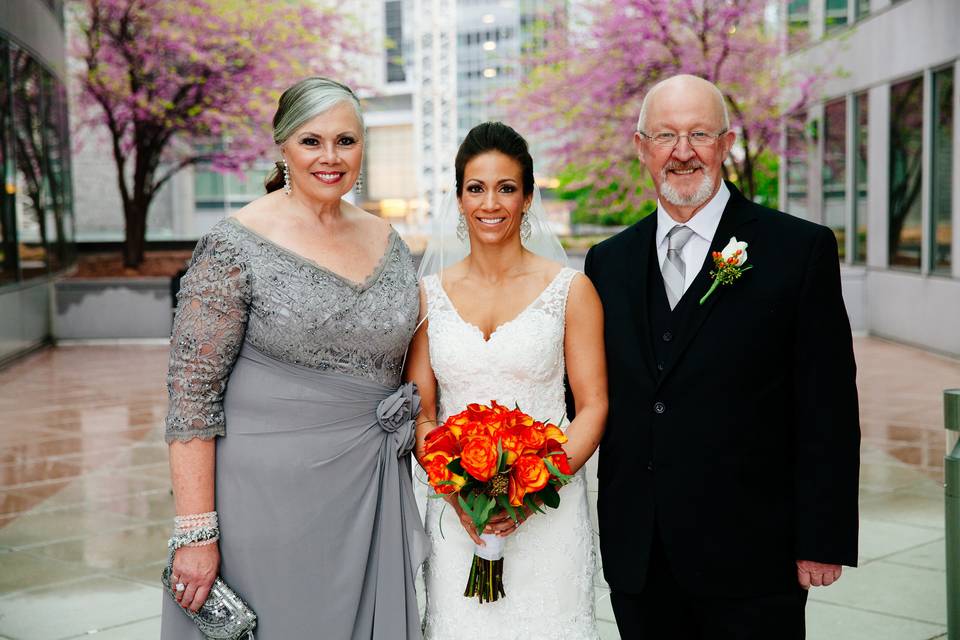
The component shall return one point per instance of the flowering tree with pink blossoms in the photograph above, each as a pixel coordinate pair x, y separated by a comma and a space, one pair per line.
176, 82
588, 80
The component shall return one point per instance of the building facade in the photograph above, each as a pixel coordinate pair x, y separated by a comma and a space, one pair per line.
875, 159
36, 203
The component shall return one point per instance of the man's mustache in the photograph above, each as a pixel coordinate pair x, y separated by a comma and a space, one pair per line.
675, 165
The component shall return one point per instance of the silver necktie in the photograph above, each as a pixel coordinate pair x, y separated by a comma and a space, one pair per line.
674, 269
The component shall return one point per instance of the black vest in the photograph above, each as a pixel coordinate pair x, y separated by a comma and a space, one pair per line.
664, 323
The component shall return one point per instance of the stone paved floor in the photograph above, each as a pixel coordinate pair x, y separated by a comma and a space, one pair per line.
85, 504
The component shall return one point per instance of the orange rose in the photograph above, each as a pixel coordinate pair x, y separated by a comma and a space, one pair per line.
456, 423
531, 438
478, 455
553, 432
511, 443
435, 464
441, 439
477, 412
528, 475
474, 428
560, 461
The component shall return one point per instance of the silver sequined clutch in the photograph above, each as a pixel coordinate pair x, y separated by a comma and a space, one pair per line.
224, 616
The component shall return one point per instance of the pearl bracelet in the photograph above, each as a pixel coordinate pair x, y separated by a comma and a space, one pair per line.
183, 524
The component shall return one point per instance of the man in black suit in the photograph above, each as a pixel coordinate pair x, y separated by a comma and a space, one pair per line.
728, 473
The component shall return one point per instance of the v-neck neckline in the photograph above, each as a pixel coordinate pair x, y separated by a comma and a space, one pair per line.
502, 325
358, 286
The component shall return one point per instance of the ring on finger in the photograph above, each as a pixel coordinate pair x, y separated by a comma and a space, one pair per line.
180, 587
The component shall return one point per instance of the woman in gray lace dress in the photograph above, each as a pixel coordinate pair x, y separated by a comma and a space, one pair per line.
289, 340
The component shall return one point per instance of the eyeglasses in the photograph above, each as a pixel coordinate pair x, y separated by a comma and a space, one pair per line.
695, 138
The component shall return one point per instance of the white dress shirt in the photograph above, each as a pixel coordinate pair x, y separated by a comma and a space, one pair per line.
704, 224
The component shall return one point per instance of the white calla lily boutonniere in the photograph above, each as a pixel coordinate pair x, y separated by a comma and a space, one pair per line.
728, 265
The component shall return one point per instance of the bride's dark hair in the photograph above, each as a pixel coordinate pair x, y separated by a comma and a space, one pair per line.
494, 136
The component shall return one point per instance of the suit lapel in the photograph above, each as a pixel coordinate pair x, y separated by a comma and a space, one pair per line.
634, 270
734, 222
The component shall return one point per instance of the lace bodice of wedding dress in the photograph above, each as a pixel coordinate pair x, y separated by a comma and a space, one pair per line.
549, 563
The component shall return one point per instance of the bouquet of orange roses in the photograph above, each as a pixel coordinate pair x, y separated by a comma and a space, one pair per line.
497, 460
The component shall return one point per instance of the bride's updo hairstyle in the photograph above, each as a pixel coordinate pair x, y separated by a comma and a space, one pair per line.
301, 103
494, 136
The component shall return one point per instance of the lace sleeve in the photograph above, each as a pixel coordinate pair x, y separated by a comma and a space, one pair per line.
207, 333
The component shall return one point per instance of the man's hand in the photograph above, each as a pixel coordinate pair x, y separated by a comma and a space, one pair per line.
817, 574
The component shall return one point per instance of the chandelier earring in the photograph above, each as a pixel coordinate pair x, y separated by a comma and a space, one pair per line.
525, 228
462, 229
358, 185
287, 187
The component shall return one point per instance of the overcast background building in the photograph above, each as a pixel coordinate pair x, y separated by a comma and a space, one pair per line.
876, 158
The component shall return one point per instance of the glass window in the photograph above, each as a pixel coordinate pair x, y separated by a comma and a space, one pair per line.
242, 190
797, 163
798, 23
209, 191
860, 119
906, 152
8, 244
56, 167
862, 8
32, 187
835, 170
393, 17
835, 14
941, 168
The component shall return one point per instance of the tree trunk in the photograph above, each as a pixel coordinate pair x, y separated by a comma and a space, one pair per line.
135, 232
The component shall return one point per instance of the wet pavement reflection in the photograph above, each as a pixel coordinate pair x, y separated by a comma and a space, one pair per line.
85, 503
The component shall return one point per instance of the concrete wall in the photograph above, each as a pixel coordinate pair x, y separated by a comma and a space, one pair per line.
24, 317
113, 308
895, 42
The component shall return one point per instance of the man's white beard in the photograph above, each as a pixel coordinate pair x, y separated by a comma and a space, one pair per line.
695, 199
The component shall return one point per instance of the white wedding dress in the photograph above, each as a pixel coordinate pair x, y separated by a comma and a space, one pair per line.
549, 562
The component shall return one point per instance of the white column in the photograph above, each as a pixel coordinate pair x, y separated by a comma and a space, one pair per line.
850, 181
955, 176
878, 176
926, 180
815, 166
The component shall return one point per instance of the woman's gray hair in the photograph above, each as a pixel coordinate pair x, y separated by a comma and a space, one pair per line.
306, 100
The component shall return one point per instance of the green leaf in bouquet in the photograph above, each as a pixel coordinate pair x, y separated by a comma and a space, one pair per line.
532, 504
549, 496
481, 507
465, 506
504, 502
552, 468
488, 505
501, 458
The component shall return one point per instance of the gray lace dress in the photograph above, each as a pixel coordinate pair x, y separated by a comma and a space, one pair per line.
298, 369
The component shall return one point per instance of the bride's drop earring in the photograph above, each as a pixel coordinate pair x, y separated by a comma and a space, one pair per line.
462, 229
287, 187
525, 228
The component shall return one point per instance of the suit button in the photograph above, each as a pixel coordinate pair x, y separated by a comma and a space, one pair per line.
650, 466
667, 336
659, 407
659, 366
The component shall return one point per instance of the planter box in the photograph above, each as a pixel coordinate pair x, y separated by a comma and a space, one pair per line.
109, 308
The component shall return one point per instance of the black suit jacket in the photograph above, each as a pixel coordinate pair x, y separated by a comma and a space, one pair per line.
750, 461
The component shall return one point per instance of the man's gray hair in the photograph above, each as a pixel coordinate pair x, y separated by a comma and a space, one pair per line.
306, 100
725, 114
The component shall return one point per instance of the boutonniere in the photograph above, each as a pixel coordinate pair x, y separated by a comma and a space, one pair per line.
728, 265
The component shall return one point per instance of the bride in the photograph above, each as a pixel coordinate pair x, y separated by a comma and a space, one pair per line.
504, 320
